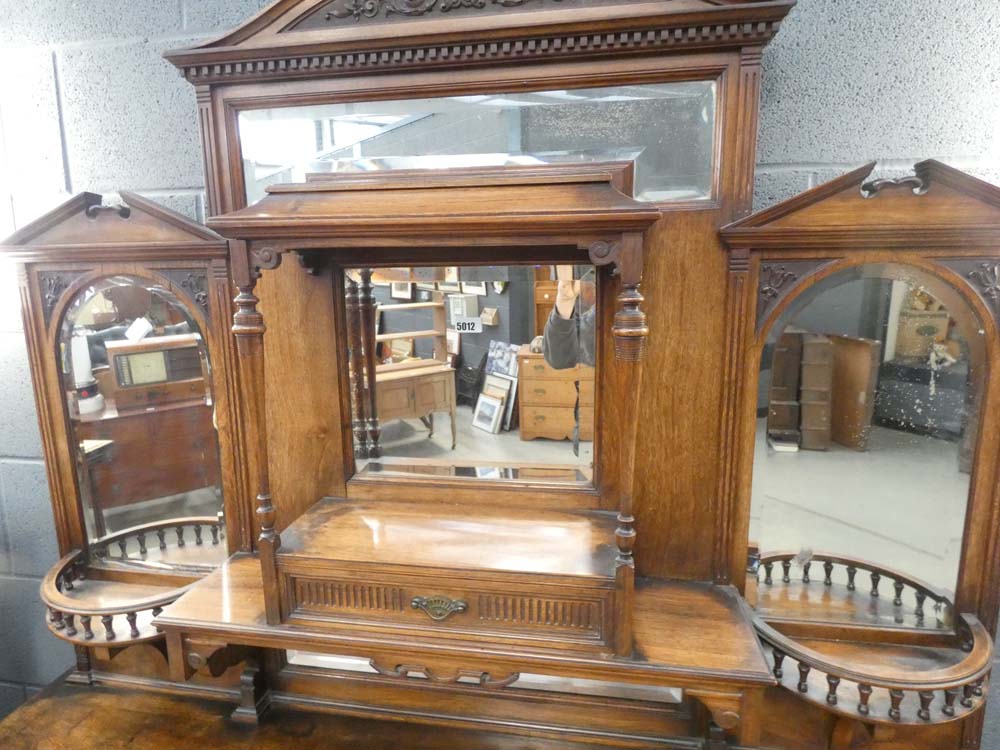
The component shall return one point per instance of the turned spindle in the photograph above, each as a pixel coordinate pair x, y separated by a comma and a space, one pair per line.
786, 568
864, 696
967, 692
851, 573
197, 534
897, 587
768, 570
57, 620
950, 696
919, 611
831, 695
895, 700
123, 547
977, 687
161, 534
779, 658
109, 631
131, 617
88, 632
70, 624
828, 573
805, 572
803, 685
926, 698
215, 534
180, 536
67, 580
141, 538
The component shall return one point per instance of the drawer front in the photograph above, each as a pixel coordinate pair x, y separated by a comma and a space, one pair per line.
586, 393
393, 400
551, 392
552, 422
432, 394
453, 607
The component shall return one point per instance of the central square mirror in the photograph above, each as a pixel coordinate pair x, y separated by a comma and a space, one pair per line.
474, 372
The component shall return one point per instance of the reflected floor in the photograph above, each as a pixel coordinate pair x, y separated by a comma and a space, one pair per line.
901, 504
406, 438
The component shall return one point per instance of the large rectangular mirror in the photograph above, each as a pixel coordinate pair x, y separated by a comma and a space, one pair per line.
474, 372
667, 128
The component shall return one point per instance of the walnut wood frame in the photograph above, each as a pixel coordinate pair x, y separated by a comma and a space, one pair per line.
262, 65
941, 223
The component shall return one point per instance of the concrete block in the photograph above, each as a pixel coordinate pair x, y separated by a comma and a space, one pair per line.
11, 696
220, 15
846, 81
29, 119
772, 187
47, 22
18, 422
189, 203
27, 510
31, 654
130, 119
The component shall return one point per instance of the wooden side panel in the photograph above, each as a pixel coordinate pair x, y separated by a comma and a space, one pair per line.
303, 385
677, 451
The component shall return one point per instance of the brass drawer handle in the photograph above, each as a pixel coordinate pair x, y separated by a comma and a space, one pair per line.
438, 607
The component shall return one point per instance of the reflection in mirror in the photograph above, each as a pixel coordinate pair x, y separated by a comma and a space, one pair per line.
867, 413
139, 394
667, 128
477, 372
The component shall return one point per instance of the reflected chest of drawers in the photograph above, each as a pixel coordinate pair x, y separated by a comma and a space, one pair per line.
547, 398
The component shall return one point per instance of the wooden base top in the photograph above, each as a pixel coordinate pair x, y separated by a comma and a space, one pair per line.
97, 717
453, 537
686, 634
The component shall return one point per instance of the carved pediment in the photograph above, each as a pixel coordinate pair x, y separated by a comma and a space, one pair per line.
937, 205
323, 38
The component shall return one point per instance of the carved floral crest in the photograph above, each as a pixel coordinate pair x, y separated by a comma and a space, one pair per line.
358, 9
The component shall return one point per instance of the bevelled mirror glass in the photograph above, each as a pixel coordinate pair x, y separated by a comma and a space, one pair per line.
138, 385
867, 417
474, 372
668, 129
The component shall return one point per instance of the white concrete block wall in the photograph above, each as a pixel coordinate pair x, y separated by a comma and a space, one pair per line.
88, 103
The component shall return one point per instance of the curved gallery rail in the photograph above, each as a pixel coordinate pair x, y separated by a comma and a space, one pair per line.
884, 683
75, 598
878, 594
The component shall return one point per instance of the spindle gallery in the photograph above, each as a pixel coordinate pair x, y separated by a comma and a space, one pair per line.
700, 477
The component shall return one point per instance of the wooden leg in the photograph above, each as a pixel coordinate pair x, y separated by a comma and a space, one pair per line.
430, 424
255, 698
453, 409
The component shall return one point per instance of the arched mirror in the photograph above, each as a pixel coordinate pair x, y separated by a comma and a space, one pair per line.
137, 378
868, 405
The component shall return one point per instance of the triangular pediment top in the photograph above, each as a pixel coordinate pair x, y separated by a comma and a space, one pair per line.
292, 38
936, 197
84, 221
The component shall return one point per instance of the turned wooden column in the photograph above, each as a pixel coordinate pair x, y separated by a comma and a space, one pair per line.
248, 328
629, 332
367, 304
355, 337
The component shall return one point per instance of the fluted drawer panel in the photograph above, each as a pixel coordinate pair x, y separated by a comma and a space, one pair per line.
532, 611
325, 595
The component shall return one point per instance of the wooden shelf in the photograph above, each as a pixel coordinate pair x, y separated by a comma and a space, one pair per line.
407, 335
409, 306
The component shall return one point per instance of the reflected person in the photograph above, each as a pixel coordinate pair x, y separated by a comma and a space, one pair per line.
568, 339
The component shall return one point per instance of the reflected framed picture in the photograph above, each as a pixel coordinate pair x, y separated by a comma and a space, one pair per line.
450, 283
488, 413
474, 287
454, 341
401, 290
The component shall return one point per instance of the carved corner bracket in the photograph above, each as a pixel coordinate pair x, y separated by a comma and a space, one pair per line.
983, 275
778, 279
52, 285
192, 281
630, 329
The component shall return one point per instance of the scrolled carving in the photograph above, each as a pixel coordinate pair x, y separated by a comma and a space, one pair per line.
983, 275
439, 608
483, 679
777, 280
874, 187
359, 9
193, 281
263, 259
94, 210
52, 285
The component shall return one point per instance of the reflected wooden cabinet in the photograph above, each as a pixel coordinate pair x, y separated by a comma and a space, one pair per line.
554, 404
